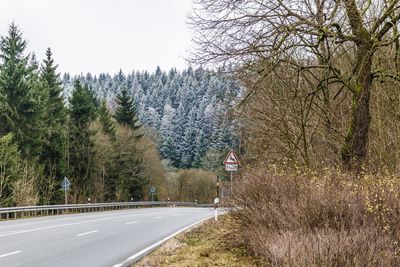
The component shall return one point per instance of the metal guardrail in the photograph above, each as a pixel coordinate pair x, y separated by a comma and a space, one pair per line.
45, 210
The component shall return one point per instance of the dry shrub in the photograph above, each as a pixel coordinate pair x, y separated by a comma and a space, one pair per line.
295, 218
191, 184
24, 190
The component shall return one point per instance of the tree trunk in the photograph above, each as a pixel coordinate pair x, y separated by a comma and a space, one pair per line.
354, 150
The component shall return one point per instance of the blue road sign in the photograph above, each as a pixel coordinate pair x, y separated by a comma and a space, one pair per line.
65, 184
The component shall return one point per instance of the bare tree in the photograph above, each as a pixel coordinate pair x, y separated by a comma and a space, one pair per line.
309, 36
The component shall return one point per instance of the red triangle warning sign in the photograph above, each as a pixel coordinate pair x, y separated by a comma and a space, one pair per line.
231, 158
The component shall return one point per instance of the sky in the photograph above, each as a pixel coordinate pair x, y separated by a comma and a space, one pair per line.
103, 35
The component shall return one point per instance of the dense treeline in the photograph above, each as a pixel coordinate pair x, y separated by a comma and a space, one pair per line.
188, 110
105, 141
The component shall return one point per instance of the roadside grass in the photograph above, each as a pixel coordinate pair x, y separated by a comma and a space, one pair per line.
209, 244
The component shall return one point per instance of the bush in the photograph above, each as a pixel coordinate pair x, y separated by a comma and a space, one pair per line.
191, 184
319, 219
18, 177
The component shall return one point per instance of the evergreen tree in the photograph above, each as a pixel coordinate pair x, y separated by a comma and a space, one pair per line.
5, 112
166, 146
55, 118
125, 113
180, 122
107, 124
153, 118
200, 150
188, 141
82, 113
20, 90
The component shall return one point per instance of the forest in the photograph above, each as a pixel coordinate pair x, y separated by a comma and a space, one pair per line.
114, 137
187, 112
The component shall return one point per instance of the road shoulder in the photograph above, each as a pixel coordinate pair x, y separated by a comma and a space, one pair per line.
208, 244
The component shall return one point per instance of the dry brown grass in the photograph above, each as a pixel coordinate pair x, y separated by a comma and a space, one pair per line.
210, 244
319, 219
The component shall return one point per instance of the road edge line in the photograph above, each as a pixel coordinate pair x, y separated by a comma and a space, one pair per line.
11, 253
139, 255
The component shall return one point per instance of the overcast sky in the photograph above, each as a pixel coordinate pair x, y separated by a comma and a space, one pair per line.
103, 35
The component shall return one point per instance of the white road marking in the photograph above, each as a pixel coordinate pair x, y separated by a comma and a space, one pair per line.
131, 222
88, 233
147, 250
75, 223
11, 253
158, 217
61, 217
53, 219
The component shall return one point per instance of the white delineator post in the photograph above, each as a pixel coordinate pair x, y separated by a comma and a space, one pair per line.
216, 201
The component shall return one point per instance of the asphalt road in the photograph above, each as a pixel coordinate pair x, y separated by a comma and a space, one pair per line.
91, 239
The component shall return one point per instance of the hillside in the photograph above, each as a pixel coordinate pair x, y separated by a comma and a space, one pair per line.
186, 111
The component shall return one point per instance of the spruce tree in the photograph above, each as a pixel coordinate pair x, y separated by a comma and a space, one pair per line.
55, 118
21, 92
200, 150
5, 112
166, 130
81, 151
125, 113
12, 77
106, 121
189, 140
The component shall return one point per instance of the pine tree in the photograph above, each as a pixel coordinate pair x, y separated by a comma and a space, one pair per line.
20, 89
125, 113
200, 150
188, 141
178, 130
12, 76
55, 118
153, 118
52, 78
4, 115
82, 113
166, 130
106, 121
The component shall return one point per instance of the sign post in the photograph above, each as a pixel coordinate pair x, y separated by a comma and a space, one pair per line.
152, 191
231, 163
65, 184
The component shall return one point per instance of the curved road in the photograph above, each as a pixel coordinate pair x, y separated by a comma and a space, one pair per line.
91, 239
